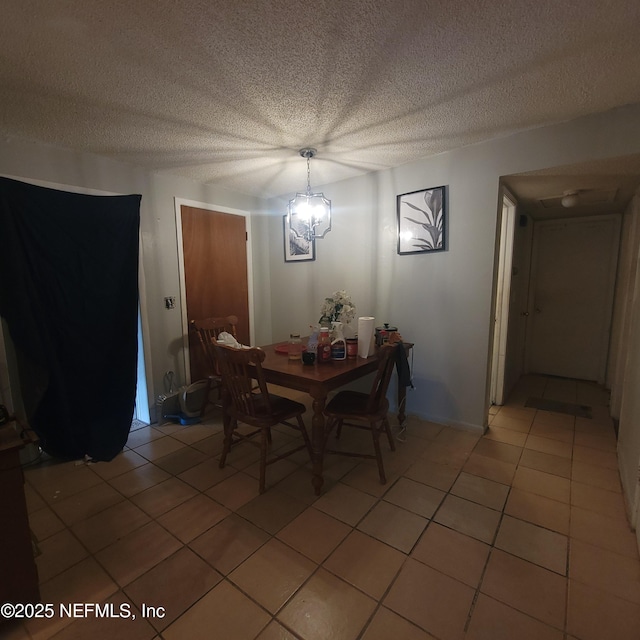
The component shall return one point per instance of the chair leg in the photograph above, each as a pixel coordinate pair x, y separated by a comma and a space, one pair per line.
387, 428
339, 429
228, 438
375, 434
264, 437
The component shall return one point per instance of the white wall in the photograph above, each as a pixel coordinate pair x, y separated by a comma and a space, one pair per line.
163, 335
442, 302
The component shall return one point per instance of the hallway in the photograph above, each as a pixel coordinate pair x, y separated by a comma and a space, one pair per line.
520, 534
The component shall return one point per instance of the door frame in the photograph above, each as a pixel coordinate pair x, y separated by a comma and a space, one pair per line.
178, 204
603, 346
505, 248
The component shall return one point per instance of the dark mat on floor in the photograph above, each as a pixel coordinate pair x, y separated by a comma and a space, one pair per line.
579, 410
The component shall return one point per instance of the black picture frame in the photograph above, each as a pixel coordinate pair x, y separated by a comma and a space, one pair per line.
422, 221
297, 249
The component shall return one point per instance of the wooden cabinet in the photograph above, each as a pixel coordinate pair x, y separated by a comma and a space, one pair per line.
18, 570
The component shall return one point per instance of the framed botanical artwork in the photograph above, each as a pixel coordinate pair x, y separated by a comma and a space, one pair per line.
297, 249
422, 221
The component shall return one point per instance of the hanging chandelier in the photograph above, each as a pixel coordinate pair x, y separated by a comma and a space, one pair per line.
309, 214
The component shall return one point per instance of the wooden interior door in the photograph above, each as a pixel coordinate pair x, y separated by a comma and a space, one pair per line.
572, 296
215, 273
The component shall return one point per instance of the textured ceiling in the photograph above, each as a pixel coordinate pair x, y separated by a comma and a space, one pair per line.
227, 91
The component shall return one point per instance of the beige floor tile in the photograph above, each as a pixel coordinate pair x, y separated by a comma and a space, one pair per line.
452, 553
433, 601
272, 510
548, 463
526, 414
486, 492
234, 491
539, 510
596, 476
275, 631
542, 484
512, 422
531, 542
44, 523
159, 448
345, 503
193, 517
593, 614
272, 574
109, 525
196, 433
143, 436
139, 551
207, 474
365, 563
57, 553
393, 525
506, 436
595, 457
498, 450
365, 477
123, 462
212, 445
457, 439
181, 460
437, 475
224, 609
604, 532
616, 574
493, 620
549, 445
164, 496
327, 607
139, 479
608, 503
314, 534
469, 518
387, 624
86, 503
57, 482
490, 468
530, 589
86, 581
552, 432
549, 418
415, 497
174, 584
600, 442
229, 543
445, 454
33, 499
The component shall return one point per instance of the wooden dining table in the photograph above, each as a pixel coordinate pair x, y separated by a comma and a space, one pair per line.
318, 380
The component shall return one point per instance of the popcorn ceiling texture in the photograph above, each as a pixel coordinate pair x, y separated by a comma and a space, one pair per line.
227, 91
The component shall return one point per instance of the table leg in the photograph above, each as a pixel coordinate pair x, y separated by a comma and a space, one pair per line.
317, 439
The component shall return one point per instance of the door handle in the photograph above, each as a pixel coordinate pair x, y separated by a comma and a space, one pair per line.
538, 310
525, 314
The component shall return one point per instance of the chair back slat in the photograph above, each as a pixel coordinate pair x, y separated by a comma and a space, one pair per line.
208, 330
241, 370
378, 394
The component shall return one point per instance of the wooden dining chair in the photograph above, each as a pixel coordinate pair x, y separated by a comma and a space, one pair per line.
208, 330
365, 411
247, 400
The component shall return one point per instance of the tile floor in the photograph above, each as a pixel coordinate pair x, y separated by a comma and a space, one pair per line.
519, 534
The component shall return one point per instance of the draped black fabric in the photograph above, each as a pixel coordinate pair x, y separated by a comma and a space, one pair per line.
69, 294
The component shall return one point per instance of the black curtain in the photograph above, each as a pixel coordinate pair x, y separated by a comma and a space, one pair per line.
69, 294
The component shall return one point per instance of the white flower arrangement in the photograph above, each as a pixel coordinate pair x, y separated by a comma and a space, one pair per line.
337, 308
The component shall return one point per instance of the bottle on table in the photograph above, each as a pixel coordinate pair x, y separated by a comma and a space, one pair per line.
324, 345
